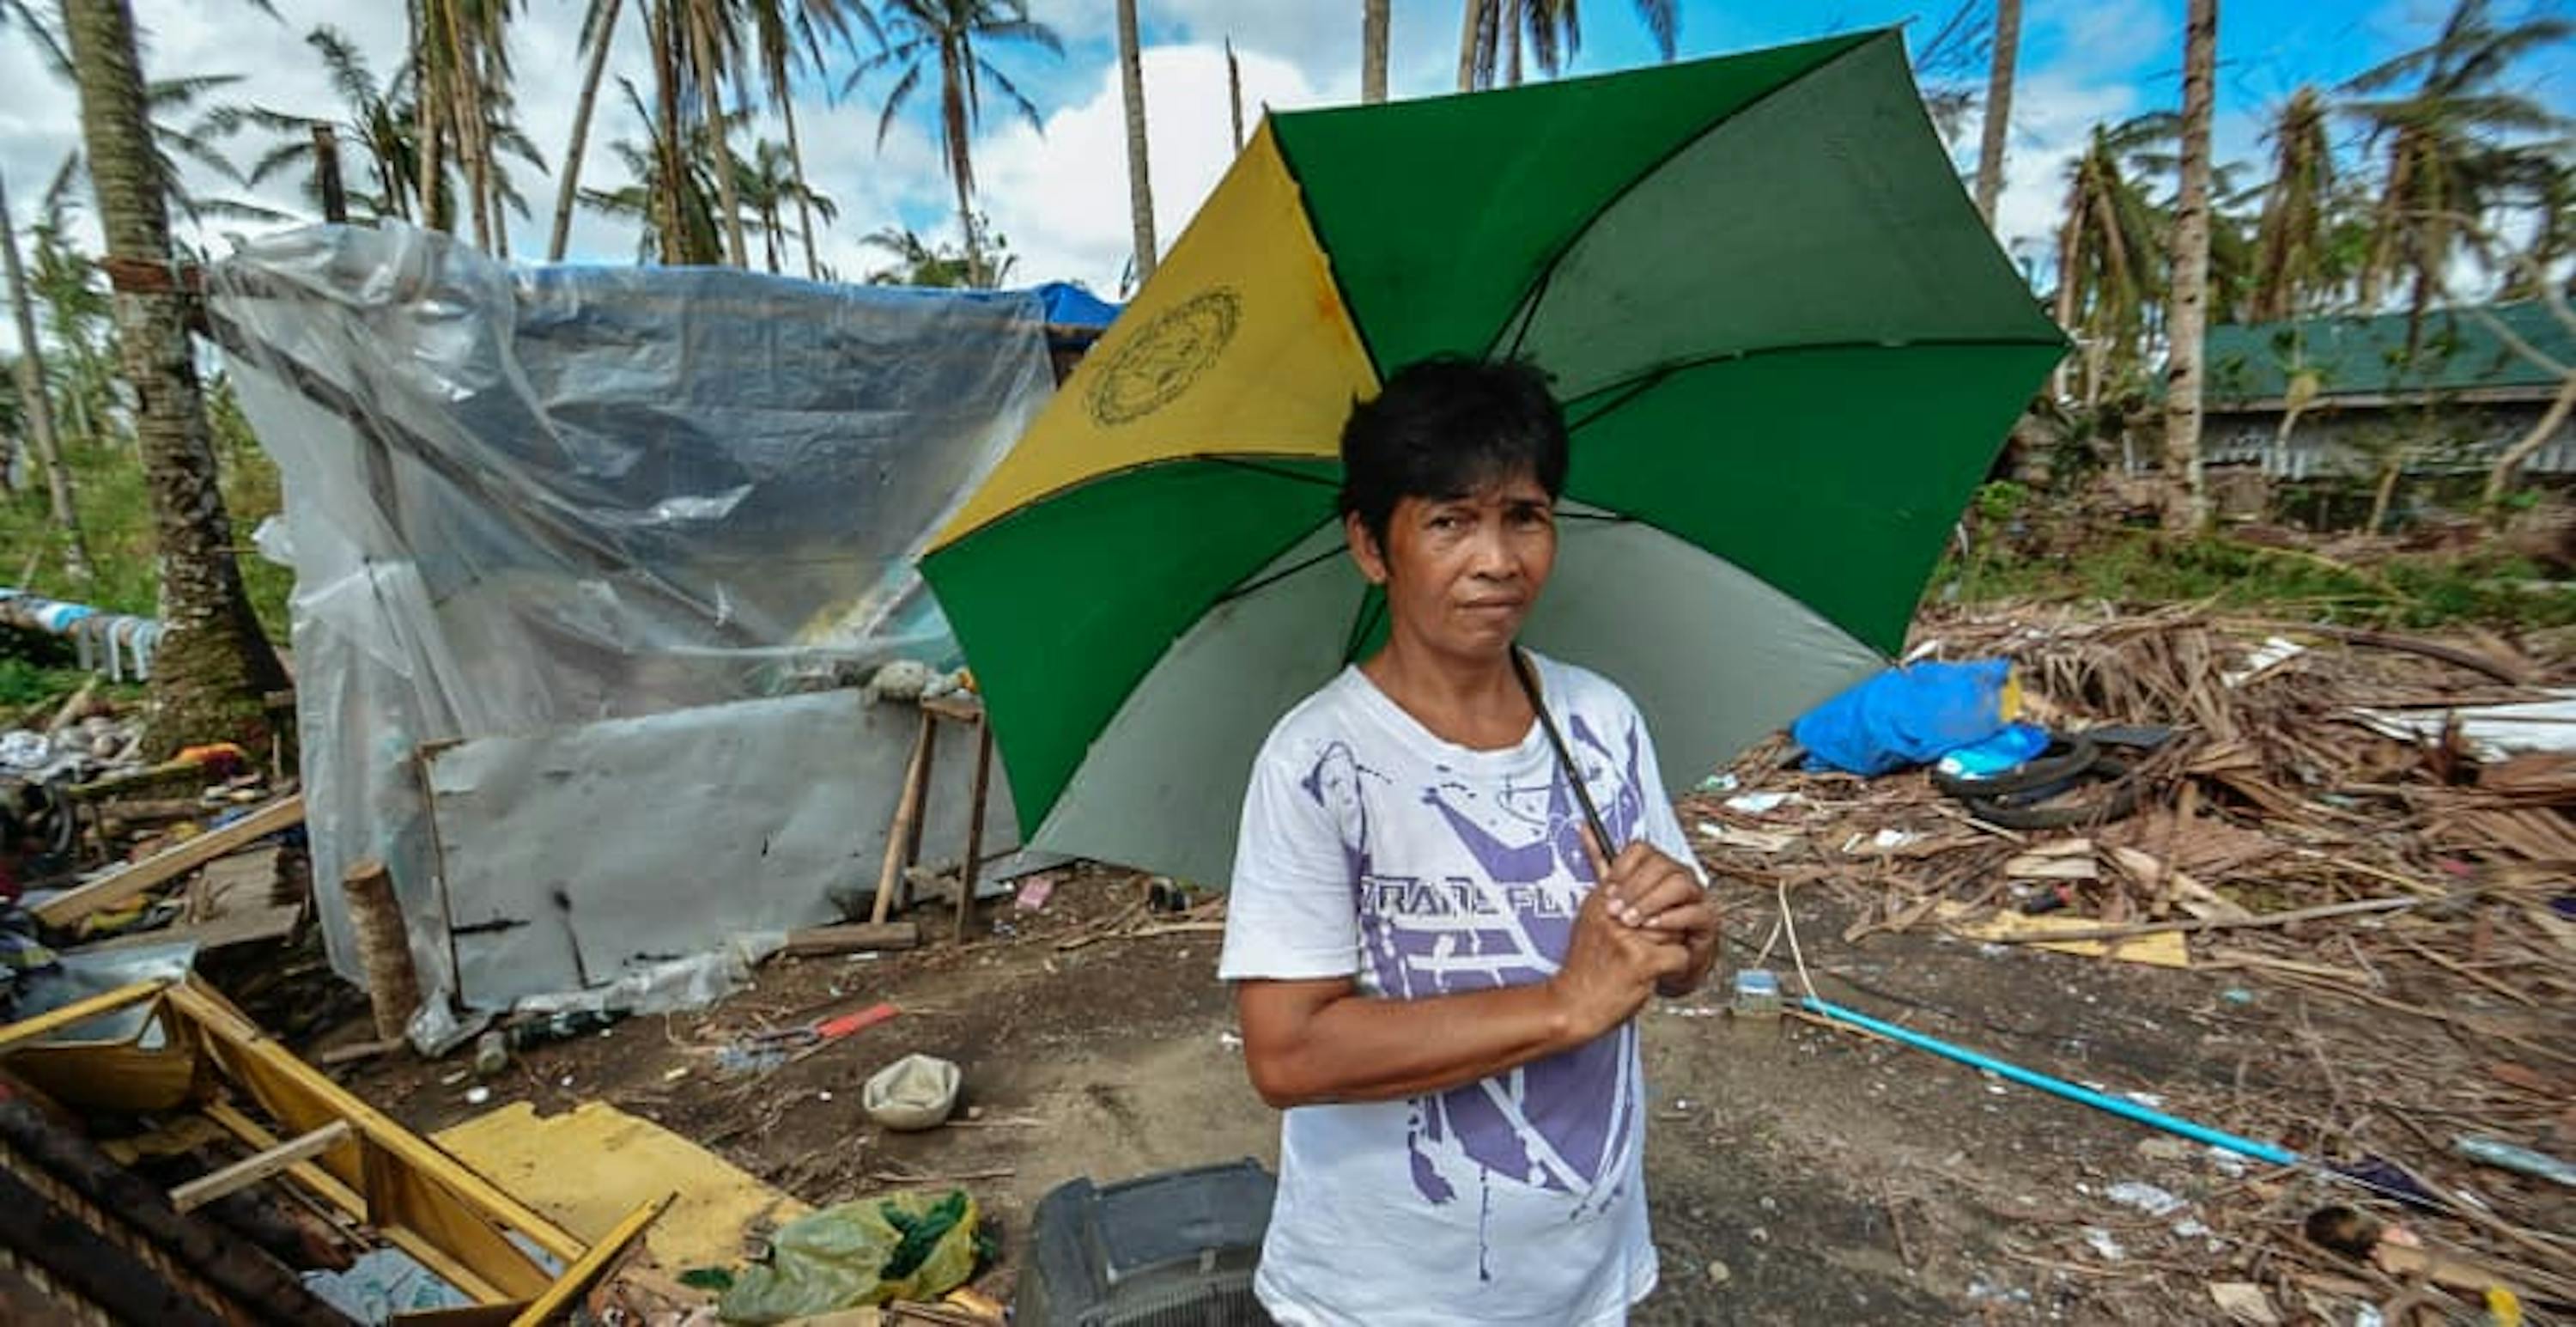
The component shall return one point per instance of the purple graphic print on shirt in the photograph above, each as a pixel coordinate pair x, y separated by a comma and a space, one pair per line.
1499, 912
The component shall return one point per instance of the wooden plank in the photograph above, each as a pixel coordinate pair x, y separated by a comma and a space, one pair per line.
907, 810
281, 1069
322, 1182
251, 1170
163, 867
44, 1025
972, 868
582, 1275
815, 941
225, 932
339, 1195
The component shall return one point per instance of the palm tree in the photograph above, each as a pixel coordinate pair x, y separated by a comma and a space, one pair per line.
1373, 29
1999, 92
2292, 262
598, 34
1140, 184
375, 117
769, 185
675, 212
460, 48
787, 34
2187, 309
35, 407
2456, 146
214, 667
942, 36
2110, 250
919, 263
1490, 34
714, 59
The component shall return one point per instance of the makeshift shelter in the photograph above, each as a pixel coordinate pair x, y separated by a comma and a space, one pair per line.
585, 560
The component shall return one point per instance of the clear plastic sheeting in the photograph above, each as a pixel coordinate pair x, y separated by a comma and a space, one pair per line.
521, 499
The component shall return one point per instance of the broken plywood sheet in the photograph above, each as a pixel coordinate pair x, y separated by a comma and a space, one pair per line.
589, 1168
2164, 949
575, 855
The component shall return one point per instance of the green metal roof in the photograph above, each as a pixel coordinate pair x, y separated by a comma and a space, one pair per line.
2354, 356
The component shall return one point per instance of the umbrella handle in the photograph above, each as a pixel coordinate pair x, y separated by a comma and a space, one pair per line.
1565, 759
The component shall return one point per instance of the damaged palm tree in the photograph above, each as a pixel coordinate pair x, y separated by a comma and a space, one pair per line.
214, 665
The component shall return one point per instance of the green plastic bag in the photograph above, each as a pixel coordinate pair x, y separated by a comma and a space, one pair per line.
915, 1246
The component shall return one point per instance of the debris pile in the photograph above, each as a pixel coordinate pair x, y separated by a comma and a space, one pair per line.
2341, 818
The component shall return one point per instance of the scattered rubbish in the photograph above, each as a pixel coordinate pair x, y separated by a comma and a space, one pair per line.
2191, 1228
1719, 1273
910, 1246
383, 1284
2164, 949
2237, 995
1719, 783
2489, 732
491, 1053
2520, 1160
2244, 1302
562, 1026
2100, 1241
914, 1093
2164, 1148
1756, 994
2262, 660
1884, 841
1034, 892
1752, 840
1762, 804
477, 1095
1980, 764
760, 1052
1230, 1041
2146, 1198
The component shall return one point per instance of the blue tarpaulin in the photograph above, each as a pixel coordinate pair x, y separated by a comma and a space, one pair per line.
1907, 716
1069, 305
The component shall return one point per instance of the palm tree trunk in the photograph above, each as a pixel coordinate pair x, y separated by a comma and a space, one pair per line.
2065, 295
606, 29
664, 27
953, 127
2186, 507
37, 406
711, 87
432, 150
1470, 20
213, 666
1999, 90
2500, 477
1140, 182
804, 195
1234, 90
1373, 26
1514, 16
465, 108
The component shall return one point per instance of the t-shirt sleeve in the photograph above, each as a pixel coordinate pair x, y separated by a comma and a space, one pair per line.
1290, 914
1662, 827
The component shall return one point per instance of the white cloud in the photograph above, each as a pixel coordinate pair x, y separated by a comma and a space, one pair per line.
1061, 199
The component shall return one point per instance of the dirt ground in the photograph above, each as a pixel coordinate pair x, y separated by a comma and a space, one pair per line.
1797, 1173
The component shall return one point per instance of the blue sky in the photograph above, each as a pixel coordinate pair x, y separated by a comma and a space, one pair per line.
1061, 196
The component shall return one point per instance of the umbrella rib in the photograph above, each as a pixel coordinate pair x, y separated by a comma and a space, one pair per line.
1282, 574
1538, 284
1613, 396
1274, 472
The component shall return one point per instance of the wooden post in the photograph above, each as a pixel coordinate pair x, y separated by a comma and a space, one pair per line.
326, 169
251, 1170
384, 947
899, 834
970, 870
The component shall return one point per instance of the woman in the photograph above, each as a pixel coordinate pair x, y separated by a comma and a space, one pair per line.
1436, 964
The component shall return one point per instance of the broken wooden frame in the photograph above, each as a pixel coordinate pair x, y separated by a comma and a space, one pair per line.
339, 1149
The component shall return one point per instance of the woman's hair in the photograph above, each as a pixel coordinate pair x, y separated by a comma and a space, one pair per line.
1444, 427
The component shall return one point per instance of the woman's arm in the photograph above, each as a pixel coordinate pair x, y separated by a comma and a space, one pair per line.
1319, 1041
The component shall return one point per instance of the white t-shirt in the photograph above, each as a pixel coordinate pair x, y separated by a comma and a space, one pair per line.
1373, 849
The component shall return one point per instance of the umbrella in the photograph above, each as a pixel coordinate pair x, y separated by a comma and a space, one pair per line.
1787, 346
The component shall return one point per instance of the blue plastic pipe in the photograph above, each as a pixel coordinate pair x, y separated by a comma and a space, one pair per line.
2059, 1087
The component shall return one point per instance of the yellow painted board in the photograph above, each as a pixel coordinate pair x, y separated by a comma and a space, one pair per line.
590, 1167
2163, 950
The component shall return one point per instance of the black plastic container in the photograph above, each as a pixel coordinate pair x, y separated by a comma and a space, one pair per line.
1171, 1250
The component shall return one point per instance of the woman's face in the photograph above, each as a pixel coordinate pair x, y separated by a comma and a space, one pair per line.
1461, 572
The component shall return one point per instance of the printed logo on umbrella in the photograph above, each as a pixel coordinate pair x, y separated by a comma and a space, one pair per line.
1153, 370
